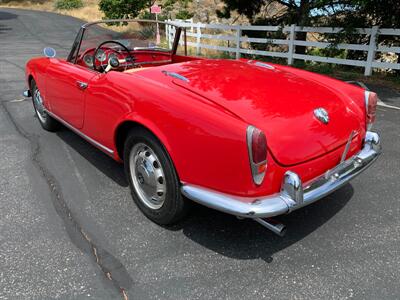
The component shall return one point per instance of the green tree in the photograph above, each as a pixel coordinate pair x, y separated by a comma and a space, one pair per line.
283, 12
367, 13
349, 14
117, 9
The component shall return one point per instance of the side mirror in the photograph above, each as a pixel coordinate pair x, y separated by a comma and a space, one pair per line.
49, 52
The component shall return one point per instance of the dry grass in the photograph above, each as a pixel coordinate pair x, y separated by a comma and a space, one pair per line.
90, 12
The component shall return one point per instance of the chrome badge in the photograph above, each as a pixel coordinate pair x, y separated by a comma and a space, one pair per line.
322, 115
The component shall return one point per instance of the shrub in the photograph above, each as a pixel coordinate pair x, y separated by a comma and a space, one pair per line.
68, 4
118, 9
183, 14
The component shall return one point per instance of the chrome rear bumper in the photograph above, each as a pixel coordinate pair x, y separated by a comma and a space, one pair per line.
293, 194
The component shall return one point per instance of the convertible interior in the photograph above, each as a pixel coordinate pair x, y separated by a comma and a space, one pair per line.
129, 45
121, 55
109, 58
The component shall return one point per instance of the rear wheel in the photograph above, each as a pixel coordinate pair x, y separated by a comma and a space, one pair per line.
153, 181
45, 119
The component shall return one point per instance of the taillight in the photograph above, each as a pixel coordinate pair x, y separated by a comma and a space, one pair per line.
371, 100
257, 146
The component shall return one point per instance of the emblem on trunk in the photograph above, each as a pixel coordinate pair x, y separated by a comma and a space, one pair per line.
322, 115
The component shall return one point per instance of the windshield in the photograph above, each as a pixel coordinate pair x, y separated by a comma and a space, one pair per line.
133, 34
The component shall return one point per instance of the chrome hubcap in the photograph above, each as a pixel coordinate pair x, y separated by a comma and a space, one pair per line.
39, 107
147, 176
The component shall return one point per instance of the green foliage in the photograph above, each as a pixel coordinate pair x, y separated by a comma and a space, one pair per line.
118, 9
68, 4
183, 14
168, 6
349, 14
146, 15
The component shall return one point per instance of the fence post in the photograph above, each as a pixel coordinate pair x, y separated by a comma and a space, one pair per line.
198, 36
371, 50
191, 22
238, 36
167, 33
291, 49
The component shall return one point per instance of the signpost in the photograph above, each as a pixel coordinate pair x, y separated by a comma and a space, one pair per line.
155, 9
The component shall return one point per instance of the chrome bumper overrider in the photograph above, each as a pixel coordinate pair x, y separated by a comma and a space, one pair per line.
293, 194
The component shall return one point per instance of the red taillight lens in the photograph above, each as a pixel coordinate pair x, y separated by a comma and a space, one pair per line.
258, 146
371, 100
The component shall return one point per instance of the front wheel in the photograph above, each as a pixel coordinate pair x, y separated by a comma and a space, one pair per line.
45, 119
153, 181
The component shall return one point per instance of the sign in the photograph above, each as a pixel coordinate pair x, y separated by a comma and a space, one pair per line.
155, 9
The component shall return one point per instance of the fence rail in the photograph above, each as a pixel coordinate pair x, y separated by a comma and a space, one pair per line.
234, 33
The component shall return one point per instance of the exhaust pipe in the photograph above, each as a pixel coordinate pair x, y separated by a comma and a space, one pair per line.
274, 226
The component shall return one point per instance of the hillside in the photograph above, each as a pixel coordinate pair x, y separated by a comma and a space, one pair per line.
202, 10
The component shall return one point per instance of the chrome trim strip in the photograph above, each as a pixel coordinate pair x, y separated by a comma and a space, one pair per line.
261, 64
294, 194
264, 65
81, 134
152, 49
175, 75
366, 99
153, 62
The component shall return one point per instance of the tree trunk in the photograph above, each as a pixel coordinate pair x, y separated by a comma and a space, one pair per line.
303, 14
301, 36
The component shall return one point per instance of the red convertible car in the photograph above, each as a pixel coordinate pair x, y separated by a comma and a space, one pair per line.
244, 137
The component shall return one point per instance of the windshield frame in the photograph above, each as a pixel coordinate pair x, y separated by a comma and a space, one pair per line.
78, 40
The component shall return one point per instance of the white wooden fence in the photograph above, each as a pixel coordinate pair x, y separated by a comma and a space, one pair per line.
234, 34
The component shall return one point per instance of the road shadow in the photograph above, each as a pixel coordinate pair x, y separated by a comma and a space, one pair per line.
3, 17
246, 239
7, 16
97, 158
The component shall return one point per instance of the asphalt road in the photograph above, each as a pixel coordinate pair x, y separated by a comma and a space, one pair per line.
69, 229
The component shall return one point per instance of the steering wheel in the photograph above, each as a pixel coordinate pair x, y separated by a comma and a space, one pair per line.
112, 62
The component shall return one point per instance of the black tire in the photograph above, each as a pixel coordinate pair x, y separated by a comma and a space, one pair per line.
46, 121
174, 207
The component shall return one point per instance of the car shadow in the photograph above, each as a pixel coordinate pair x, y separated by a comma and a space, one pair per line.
97, 158
220, 232
246, 239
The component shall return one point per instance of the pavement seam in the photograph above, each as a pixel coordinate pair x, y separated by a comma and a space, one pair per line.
61, 207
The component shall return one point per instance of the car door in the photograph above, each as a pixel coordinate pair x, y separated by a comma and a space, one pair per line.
65, 90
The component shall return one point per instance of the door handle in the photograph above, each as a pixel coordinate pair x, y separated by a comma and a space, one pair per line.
81, 85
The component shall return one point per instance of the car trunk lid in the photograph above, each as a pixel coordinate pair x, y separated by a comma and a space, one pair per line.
280, 103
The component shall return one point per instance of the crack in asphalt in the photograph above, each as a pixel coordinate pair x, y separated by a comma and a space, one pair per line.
110, 266
13, 63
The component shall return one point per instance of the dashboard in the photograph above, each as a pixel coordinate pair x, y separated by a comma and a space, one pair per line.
140, 58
